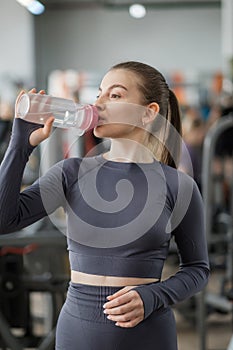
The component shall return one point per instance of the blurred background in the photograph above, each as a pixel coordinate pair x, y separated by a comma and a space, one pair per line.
65, 47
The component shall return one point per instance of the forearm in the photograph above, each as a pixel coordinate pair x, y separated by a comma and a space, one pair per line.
12, 205
184, 284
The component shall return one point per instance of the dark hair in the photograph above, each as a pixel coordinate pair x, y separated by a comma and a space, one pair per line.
154, 88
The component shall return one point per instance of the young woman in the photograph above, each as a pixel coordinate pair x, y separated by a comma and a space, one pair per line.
122, 209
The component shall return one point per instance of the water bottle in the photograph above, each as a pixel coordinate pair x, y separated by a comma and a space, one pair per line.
37, 108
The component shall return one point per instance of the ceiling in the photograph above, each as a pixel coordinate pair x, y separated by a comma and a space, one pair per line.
69, 4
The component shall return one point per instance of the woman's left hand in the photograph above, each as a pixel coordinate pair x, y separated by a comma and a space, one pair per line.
125, 307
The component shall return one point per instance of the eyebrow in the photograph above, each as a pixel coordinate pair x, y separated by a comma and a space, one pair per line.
115, 86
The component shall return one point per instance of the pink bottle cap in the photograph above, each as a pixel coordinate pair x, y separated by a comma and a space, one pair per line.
91, 118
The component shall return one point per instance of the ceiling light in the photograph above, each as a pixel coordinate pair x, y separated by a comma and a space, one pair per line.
137, 11
34, 6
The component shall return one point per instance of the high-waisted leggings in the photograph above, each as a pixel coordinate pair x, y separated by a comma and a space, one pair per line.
82, 325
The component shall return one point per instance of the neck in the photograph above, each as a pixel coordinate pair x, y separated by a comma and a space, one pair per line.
125, 150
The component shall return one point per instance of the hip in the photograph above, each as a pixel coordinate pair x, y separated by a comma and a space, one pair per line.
83, 325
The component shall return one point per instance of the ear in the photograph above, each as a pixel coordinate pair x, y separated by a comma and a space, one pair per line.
151, 112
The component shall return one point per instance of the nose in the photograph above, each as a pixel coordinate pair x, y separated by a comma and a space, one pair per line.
100, 107
99, 104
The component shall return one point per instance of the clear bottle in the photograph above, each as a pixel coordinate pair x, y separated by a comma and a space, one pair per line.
37, 108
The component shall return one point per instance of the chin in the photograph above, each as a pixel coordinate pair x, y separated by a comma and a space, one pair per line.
113, 131
100, 131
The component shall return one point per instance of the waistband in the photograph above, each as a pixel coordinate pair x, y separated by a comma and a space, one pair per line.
86, 302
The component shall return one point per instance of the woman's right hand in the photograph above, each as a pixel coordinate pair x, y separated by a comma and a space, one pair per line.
42, 133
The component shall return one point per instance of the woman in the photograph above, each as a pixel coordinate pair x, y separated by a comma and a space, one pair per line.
122, 209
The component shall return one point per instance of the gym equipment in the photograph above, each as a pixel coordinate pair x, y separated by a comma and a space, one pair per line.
31, 262
219, 229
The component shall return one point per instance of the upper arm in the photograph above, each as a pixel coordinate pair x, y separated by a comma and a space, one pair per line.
188, 223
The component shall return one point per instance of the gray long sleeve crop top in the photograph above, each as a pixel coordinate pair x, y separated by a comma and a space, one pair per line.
120, 217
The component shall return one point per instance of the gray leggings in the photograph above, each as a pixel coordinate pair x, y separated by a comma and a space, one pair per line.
82, 325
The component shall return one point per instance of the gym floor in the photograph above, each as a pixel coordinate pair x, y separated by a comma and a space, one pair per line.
219, 332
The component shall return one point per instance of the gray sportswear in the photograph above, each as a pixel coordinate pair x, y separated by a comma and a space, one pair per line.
120, 217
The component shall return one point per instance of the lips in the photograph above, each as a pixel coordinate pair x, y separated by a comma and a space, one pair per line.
101, 121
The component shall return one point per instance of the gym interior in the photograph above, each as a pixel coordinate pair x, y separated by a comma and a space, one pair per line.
65, 47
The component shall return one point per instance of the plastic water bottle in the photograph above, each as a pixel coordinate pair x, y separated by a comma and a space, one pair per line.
37, 108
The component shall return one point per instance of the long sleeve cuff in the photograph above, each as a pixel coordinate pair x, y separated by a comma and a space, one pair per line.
182, 285
21, 131
148, 299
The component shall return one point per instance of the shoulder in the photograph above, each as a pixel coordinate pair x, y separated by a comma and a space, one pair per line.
186, 198
180, 186
173, 174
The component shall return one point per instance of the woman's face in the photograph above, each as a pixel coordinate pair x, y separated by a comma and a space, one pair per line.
119, 105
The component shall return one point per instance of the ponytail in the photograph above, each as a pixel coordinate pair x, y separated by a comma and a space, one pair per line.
170, 154
165, 135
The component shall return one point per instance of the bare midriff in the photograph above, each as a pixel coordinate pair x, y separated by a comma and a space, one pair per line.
111, 281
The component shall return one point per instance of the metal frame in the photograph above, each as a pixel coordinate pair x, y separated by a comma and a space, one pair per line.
55, 285
207, 187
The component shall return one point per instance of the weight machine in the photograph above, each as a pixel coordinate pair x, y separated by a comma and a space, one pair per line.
27, 266
219, 232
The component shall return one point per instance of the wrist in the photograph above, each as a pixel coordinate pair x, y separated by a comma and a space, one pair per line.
147, 299
21, 131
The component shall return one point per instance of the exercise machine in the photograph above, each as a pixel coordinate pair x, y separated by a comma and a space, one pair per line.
219, 231
31, 263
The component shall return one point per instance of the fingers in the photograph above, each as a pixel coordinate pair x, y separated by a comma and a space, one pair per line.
120, 292
120, 297
126, 310
130, 318
122, 309
48, 127
33, 91
123, 304
129, 324
126, 317
41, 134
